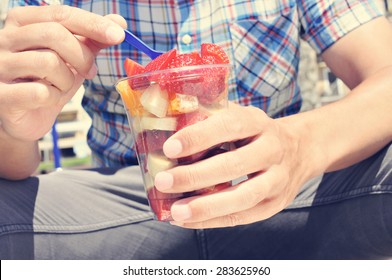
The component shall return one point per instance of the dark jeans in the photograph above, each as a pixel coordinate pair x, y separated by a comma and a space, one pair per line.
103, 214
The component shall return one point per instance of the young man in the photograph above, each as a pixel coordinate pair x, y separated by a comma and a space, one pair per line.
319, 183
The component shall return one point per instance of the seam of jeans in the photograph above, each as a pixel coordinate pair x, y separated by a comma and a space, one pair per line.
315, 201
202, 243
15, 228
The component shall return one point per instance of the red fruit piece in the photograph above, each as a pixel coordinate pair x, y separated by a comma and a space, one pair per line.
190, 118
210, 59
133, 68
213, 86
187, 59
216, 51
161, 203
215, 78
174, 83
161, 62
151, 140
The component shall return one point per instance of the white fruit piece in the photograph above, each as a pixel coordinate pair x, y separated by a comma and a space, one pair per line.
183, 103
157, 162
148, 181
155, 100
150, 123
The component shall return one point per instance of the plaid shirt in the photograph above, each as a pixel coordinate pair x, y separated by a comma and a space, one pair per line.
261, 38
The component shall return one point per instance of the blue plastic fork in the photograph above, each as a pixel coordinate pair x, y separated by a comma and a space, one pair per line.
134, 41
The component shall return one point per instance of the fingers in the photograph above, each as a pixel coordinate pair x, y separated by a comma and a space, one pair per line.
27, 96
262, 211
226, 126
77, 21
55, 37
254, 199
223, 167
38, 65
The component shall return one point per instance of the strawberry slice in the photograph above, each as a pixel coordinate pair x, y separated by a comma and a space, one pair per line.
210, 59
190, 118
151, 140
215, 78
187, 59
173, 82
216, 51
161, 62
161, 203
214, 85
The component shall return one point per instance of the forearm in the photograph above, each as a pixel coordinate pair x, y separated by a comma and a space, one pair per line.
19, 159
340, 134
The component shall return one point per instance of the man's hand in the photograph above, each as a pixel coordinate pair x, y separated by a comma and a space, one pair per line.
45, 54
267, 151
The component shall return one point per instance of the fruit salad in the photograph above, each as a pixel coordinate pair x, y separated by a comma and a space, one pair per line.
171, 92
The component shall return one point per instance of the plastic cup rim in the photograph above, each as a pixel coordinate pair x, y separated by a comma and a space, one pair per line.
171, 70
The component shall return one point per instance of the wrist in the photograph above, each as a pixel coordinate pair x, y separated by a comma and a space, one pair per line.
20, 157
311, 155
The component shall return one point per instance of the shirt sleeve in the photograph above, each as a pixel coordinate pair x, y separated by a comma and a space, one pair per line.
325, 22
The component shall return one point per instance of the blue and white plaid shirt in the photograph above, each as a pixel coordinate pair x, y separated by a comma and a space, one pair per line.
261, 37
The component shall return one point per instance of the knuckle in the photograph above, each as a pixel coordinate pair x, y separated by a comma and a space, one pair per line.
48, 60
12, 13
96, 25
229, 123
53, 32
192, 178
253, 198
232, 166
190, 139
253, 195
276, 149
39, 95
61, 13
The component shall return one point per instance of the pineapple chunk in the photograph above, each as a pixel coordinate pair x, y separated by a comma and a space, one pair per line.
155, 100
150, 123
157, 162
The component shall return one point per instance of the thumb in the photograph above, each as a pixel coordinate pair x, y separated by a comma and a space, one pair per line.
117, 19
97, 46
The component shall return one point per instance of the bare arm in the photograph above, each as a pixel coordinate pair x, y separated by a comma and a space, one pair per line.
354, 128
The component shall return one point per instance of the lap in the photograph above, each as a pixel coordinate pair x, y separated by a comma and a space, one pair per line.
104, 214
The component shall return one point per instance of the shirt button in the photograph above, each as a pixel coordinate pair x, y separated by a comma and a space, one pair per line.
186, 39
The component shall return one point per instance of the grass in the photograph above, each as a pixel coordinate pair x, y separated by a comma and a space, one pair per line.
71, 162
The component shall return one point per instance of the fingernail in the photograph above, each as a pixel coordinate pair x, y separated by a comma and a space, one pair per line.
93, 71
173, 147
115, 34
180, 212
163, 181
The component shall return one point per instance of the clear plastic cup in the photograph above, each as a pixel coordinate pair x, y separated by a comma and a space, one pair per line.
160, 103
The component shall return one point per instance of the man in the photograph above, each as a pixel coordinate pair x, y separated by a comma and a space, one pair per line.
318, 184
